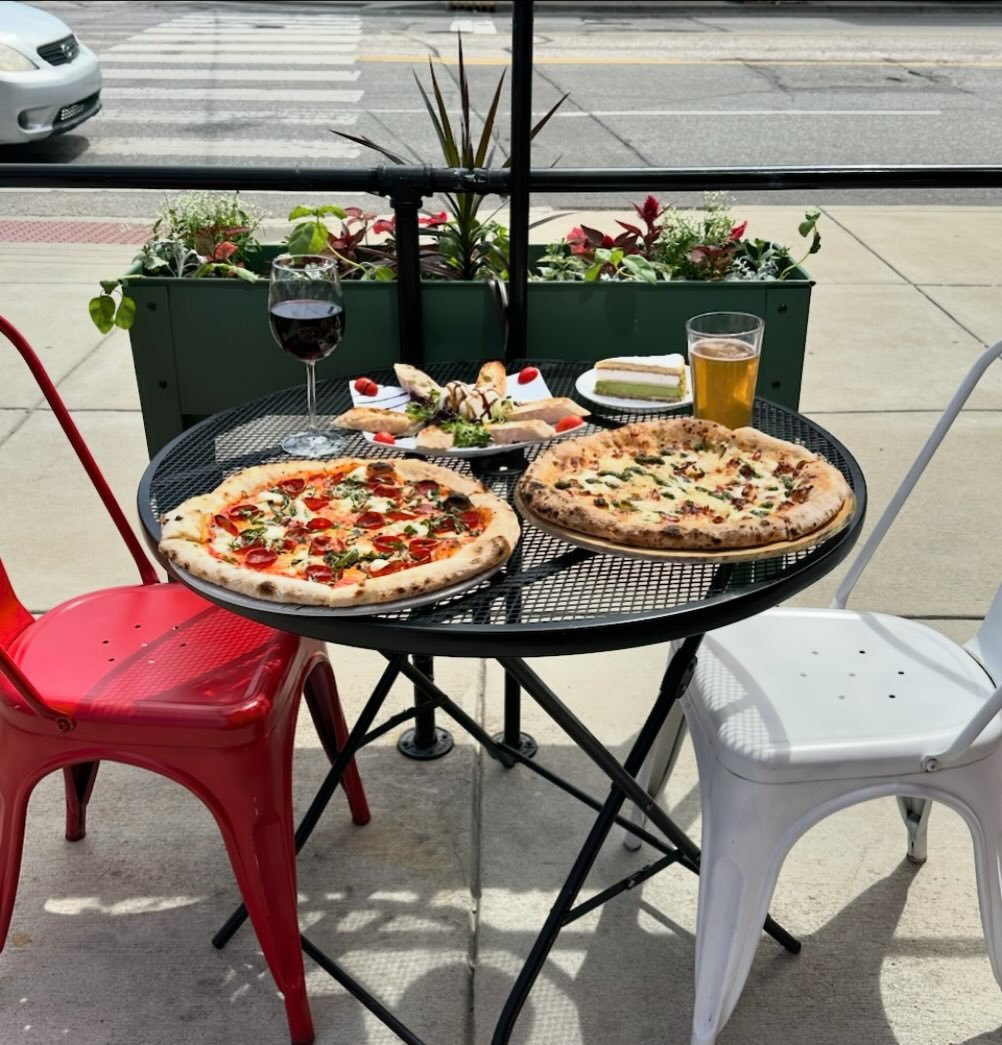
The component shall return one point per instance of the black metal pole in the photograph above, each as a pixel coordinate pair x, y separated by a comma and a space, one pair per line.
406, 199
521, 145
425, 740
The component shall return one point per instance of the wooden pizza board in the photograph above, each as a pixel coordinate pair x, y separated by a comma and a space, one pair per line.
760, 551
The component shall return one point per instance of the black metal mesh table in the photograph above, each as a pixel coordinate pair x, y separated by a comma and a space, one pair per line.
550, 598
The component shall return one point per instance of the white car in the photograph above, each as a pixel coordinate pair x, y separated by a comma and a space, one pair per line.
49, 81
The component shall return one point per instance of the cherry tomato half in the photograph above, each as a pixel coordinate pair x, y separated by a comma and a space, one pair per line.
385, 437
366, 386
527, 374
565, 424
319, 523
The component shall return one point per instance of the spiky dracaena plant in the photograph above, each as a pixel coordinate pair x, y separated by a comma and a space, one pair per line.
465, 247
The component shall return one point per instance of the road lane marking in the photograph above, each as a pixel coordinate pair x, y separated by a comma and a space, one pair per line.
229, 75
272, 148
185, 58
232, 94
305, 116
886, 63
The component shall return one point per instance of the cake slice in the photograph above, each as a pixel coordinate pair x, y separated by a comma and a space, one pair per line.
657, 378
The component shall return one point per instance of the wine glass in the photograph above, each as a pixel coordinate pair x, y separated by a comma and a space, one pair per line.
306, 312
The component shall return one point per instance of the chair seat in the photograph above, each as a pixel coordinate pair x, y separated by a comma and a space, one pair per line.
797, 694
155, 654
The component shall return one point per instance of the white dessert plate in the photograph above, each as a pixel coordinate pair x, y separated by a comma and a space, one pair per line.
585, 385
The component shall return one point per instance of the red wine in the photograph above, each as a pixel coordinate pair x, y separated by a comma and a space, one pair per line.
308, 330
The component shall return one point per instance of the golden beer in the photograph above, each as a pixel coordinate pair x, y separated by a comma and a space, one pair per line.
724, 373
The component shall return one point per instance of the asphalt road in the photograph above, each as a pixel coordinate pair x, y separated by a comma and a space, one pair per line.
648, 85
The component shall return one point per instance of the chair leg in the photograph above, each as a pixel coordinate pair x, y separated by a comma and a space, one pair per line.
981, 795
328, 719
736, 883
18, 781
915, 813
657, 768
253, 808
78, 781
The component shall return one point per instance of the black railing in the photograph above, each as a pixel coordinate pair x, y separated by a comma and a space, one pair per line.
406, 187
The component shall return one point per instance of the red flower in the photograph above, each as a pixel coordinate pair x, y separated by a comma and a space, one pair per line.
224, 251
737, 232
433, 220
385, 225
578, 241
650, 210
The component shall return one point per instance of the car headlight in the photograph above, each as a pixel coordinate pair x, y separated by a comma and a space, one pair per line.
12, 61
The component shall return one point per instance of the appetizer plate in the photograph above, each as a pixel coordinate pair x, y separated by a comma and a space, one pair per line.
392, 397
585, 385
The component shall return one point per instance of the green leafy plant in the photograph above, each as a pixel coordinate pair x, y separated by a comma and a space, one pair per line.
467, 246
198, 234
675, 244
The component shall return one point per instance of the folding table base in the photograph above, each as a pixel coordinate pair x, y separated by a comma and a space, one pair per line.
678, 848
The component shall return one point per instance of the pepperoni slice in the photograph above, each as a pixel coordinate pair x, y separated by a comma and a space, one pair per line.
425, 509
446, 525
320, 545
260, 557
391, 567
383, 490
292, 487
398, 516
244, 511
289, 544
471, 520
296, 530
226, 524
426, 486
316, 503
386, 544
368, 520
319, 573
319, 523
421, 548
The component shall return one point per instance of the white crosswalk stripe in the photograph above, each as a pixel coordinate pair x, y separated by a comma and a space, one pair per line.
202, 87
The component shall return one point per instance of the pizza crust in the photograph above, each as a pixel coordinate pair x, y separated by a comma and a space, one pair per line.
184, 531
551, 490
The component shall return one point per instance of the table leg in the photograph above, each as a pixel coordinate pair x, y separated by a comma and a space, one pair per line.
426, 740
623, 785
512, 734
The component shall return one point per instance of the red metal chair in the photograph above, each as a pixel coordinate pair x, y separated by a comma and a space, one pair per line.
154, 676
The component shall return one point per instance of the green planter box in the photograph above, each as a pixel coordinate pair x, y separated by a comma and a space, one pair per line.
200, 346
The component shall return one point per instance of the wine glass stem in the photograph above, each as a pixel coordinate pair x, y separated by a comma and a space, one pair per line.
311, 396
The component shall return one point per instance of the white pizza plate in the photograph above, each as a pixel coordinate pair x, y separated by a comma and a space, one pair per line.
391, 397
585, 385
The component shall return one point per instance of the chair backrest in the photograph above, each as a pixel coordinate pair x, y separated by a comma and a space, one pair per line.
14, 617
925, 455
986, 645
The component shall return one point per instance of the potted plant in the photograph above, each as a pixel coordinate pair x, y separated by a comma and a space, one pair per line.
194, 301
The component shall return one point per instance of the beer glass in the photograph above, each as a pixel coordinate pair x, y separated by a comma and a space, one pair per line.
724, 350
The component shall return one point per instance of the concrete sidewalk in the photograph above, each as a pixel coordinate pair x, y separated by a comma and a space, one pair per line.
435, 903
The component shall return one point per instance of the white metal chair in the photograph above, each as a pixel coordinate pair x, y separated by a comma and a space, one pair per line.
798, 713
